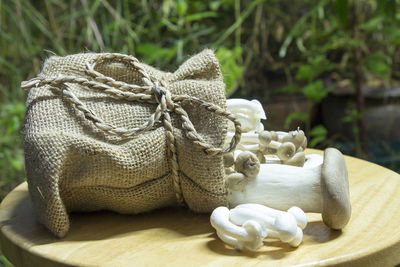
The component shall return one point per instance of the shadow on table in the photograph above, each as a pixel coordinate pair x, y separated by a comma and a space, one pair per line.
315, 232
104, 224
178, 221
276, 249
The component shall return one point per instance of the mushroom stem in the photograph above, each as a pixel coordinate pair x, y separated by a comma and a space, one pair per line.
296, 212
321, 186
246, 138
249, 236
284, 224
284, 186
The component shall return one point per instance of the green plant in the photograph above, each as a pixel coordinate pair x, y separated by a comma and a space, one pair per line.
356, 45
230, 66
4, 262
11, 153
315, 91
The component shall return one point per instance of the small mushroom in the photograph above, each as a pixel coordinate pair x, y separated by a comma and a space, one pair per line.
296, 212
236, 181
296, 137
248, 164
285, 151
283, 225
248, 236
297, 160
228, 159
274, 135
229, 170
246, 138
304, 144
321, 185
248, 147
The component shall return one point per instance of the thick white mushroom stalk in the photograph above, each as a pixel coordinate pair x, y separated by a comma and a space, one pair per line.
269, 173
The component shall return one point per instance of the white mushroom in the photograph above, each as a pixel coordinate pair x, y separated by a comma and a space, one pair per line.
250, 147
229, 159
248, 164
321, 185
246, 138
285, 151
283, 225
253, 107
250, 236
249, 113
297, 160
248, 123
296, 212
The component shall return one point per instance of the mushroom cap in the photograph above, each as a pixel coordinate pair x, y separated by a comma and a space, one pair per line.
336, 206
297, 160
286, 151
296, 137
265, 138
229, 159
248, 164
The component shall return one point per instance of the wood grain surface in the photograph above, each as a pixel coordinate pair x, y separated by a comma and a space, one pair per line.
178, 237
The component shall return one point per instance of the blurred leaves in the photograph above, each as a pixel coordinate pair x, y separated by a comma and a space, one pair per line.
316, 66
4, 262
318, 135
315, 91
231, 69
379, 64
153, 52
301, 116
11, 154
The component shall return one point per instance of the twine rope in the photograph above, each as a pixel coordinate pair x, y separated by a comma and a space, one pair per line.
152, 92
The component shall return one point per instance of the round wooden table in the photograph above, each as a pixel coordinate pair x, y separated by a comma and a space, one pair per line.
178, 237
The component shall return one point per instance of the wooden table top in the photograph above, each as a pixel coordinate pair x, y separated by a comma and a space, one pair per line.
178, 237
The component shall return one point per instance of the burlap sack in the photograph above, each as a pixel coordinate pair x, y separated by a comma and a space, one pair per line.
104, 131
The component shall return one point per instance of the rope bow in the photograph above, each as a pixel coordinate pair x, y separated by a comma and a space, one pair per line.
152, 92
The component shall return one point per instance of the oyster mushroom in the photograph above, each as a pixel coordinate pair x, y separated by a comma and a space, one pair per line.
321, 186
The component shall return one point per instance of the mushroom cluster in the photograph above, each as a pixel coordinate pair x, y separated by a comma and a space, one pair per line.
269, 172
269, 146
246, 226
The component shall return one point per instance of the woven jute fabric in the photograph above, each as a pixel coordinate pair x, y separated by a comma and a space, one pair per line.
80, 157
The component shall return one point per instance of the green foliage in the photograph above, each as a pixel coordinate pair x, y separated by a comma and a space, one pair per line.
318, 135
4, 262
11, 154
378, 63
302, 116
230, 66
326, 38
342, 9
314, 68
352, 116
315, 91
